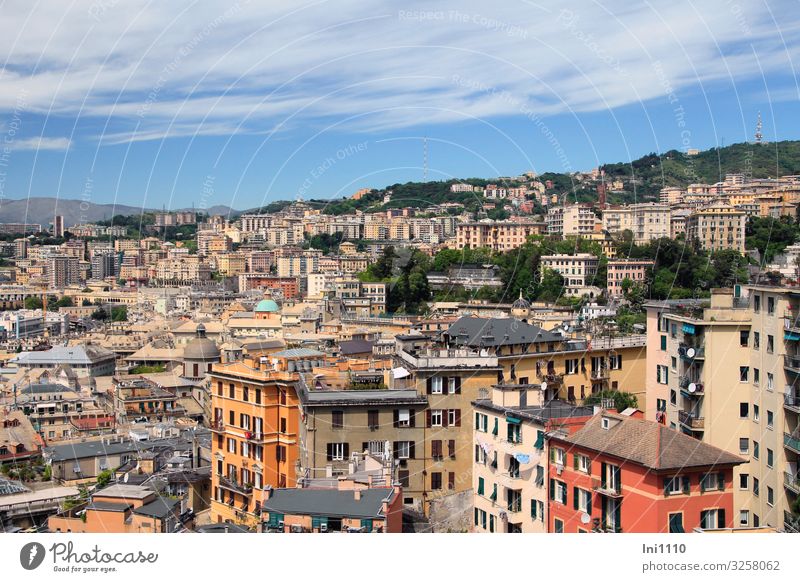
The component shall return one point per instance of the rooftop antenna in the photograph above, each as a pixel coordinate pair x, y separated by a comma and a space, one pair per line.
759, 135
424, 159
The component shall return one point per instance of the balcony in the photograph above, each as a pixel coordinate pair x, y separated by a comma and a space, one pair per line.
791, 482
691, 420
690, 353
217, 426
791, 442
791, 322
232, 485
600, 374
613, 490
791, 402
791, 363
695, 392
254, 437
791, 522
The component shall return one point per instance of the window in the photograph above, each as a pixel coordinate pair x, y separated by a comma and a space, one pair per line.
770, 381
583, 500
744, 518
770, 496
451, 449
770, 305
663, 343
661, 404
436, 417
744, 410
454, 417
403, 449
662, 374
756, 449
744, 446
514, 433
558, 526
770, 344
436, 481
712, 482
770, 419
514, 499
676, 485
756, 487
231, 445
676, 523
436, 385
436, 450
338, 451
583, 464
537, 510
559, 456
744, 372
756, 340
756, 413
372, 419
770, 458
674, 363
712, 519
756, 376
673, 397
376, 448
744, 337
558, 491
571, 366
743, 481
453, 385
610, 477
231, 392
403, 477
337, 419
757, 303
615, 362
481, 422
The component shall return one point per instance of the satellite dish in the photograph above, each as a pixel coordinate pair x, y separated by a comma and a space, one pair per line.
692, 387
585, 518
543, 386
681, 351
690, 352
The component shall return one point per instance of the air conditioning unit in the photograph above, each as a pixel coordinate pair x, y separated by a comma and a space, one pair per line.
297, 528
559, 469
323, 528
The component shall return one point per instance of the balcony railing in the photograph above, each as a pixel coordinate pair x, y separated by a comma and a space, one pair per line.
217, 425
698, 386
791, 482
608, 489
231, 485
600, 374
791, 320
791, 522
792, 363
698, 353
791, 442
691, 420
791, 402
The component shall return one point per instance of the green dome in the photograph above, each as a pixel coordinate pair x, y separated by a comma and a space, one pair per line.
267, 306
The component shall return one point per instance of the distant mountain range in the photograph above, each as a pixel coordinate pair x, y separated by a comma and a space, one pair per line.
42, 210
642, 179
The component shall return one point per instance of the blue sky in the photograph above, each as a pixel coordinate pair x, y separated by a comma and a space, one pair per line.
179, 103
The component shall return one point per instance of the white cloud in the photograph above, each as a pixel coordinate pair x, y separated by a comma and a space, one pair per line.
204, 67
41, 143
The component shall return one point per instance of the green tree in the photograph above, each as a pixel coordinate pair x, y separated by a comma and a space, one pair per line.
622, 400
119, 313
104, 478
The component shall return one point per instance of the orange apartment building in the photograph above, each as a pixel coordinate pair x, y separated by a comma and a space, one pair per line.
623, 474
255, 422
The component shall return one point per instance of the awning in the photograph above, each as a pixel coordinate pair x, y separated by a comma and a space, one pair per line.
688, 328
512, 420
792, 336
400, 373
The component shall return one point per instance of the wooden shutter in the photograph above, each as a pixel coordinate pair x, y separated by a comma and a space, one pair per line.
458, 384
603, 475
575, 504
721, 481
412, 453
395, 418
451, 480
458, 417
365, 446
412, 418
330, 451
589, 504
667, 481
445, 417
346, 450
430, 385
552, 489
575, 461
720, 518
428, 412
395, 450
686, 485
451, 449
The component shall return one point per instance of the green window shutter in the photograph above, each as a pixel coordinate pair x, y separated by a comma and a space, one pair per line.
575, 498
367, 524
666, 486
476, 516
564, 495
686, 485
480, 485
533, 509
721, 481
589, 504
477, 421
703, 479
491, 523
552, 490
552, 455
575, 461
720, 518
663, 343
603, 475
496, 428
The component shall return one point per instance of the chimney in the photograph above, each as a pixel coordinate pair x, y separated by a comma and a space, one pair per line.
357, 494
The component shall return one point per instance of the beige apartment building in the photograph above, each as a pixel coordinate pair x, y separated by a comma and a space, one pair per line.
717, 227
647, 221
231, 264
577, 270
619, 270
510, 457
571, 220
726, 373
498, 236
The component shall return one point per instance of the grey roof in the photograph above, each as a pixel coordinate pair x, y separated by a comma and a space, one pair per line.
45, 388
9, 487
328, 502
108, 506
486, 332
69, 355
222, 528
72, 451
298, 353
550, 410
321, 397
158, 508
355, 347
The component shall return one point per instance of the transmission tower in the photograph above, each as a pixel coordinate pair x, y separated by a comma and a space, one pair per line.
424, 159
758, 135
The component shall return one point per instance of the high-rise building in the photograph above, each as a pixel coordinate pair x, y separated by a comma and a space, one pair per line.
105, 264
58, 226
63, 271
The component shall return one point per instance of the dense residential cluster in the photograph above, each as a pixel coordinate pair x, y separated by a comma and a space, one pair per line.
402, 370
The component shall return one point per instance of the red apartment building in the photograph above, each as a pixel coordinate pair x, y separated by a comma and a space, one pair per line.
623, 474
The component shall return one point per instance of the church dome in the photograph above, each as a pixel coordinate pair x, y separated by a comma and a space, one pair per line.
267, 306
201, 348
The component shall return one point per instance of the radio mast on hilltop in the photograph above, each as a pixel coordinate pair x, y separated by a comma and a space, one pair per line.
424, 159
758, 135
